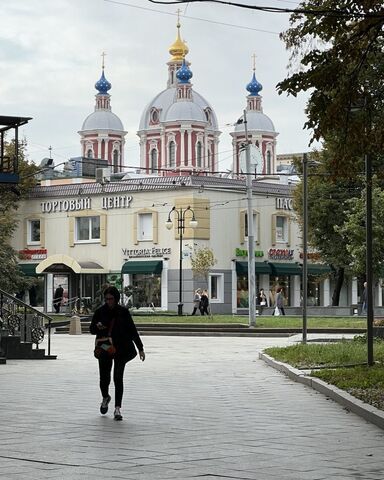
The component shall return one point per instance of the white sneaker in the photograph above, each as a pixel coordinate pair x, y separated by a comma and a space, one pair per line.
117, 414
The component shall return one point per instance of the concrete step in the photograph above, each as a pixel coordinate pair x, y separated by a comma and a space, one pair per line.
16, 350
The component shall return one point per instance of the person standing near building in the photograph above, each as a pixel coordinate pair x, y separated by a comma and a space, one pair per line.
57, 298
204, 303
280, 301
261, 299
114, 320
196, 301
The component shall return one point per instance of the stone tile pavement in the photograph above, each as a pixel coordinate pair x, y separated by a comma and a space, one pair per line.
198, 408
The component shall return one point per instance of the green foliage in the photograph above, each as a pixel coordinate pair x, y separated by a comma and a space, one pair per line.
340, 61
202, 261
11, 278
353, 232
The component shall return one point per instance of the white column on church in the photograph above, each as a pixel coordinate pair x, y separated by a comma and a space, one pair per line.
99, 148
189, 146
182, 149
205, 150
163, 148
106, 146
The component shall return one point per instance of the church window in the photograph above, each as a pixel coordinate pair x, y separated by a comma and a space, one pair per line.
172, 154
269, 166
154, 160
90, 153
208, 114
155, 116
209, 159
199, 154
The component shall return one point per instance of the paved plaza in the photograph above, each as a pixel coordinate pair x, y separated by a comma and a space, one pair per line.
198, 408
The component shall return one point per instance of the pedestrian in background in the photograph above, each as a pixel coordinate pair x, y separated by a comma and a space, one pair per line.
196, 301
57, 298
261, 299
115, 321
204, 303
280, 301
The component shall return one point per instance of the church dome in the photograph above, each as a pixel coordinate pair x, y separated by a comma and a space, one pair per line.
168, 107
102, 120
256, 120
185, 111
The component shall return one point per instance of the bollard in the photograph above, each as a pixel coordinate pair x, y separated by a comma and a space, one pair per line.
75, 326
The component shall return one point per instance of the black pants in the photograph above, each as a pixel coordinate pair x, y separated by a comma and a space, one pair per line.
204, 310
105, 367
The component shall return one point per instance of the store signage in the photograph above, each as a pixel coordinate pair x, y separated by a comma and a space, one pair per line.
311, 256
284, 203
153, 252
280, 253
27, 254
244, 253
85, 203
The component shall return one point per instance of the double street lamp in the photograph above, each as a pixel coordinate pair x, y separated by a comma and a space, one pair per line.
180, 217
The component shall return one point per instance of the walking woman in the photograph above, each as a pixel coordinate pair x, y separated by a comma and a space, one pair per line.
280, 301
204, 303
196, 301
115, 321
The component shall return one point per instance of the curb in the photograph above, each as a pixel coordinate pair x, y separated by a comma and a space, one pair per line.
364, 410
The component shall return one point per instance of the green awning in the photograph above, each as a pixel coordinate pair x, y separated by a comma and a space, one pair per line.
150, 266
279, 269
29, 269
260, 268
317, 269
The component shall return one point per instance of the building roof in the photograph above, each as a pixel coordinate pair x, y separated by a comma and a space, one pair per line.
152, 183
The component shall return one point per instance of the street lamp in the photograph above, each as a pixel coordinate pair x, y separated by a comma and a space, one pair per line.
180, 214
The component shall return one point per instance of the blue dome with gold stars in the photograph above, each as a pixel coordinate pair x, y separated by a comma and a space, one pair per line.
184, 73
102, 85
254, 87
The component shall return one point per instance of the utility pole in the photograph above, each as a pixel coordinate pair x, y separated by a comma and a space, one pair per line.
251, 238
305, 245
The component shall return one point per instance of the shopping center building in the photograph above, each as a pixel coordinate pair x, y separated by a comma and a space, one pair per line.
85, 226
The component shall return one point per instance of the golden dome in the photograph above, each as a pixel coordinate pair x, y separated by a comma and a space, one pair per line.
178, 49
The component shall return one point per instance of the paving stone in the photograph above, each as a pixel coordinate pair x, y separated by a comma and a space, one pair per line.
202, 408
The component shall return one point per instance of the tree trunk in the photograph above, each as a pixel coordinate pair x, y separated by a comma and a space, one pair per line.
339, 284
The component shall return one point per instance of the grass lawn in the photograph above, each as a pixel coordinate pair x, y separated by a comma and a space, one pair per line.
361, 381
261, 322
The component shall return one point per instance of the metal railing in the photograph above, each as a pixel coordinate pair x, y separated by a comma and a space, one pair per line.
19, 318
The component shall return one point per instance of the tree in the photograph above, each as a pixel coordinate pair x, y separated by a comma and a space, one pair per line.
328, 206
353, 232
202, 261
11, 278
340, 60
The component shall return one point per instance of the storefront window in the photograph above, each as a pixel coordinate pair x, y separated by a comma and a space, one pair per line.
283, 282
242, 290
145, 290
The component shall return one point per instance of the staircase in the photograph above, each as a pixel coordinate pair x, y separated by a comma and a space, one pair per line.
22, 327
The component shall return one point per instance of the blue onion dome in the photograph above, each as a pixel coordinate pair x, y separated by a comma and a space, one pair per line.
184, 73
254, 87
103, 85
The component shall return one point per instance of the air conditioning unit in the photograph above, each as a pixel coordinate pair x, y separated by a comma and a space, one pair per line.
103, 175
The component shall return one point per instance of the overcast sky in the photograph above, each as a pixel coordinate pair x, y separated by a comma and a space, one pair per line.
50, 59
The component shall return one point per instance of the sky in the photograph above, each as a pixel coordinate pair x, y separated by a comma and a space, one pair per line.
50, 59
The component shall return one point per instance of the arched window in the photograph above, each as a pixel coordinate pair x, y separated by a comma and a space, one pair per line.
154, 160
199, 154
115, 161
269, 166
90, 153
209, 159
172, 154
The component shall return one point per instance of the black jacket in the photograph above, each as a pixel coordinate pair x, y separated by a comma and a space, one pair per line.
124, 333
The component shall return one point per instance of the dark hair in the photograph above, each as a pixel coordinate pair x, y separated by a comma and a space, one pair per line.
112, 291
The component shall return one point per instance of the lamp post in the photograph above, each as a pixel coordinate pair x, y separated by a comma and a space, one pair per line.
180, 216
